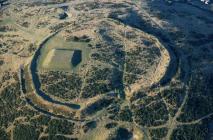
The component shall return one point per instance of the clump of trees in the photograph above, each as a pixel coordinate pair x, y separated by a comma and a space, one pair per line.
193, 132
25, 132
124, 114
61, 84
60, 127
4, 135
200, 100
104, 80
149, 110
158, 133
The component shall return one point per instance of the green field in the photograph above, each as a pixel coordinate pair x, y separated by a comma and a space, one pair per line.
57, 53
58, 59
7, 21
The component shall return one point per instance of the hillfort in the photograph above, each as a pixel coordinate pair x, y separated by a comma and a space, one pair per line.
111, 70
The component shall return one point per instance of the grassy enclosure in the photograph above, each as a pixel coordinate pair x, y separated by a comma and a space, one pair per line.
62, 55
58, 59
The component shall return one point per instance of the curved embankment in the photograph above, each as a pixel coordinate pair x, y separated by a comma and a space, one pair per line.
29, 101
171, 68
161, 69
36, 81
166, 67
135, 20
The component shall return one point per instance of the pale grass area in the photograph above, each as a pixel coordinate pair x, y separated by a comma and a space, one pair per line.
58, 59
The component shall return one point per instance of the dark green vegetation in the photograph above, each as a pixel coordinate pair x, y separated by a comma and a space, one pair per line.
200, 100
148, 56
61, 84
196, 132
9, 102
150, 111
103, 81
174, 97
27, 123
25, 132
157, 134
60, 127
3, 135
115, 113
